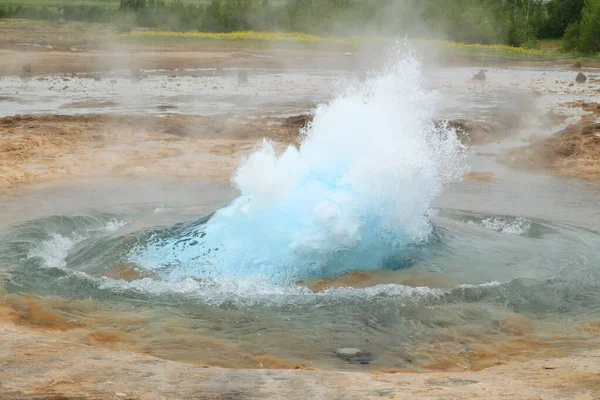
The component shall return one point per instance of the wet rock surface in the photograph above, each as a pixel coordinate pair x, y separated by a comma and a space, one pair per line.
479, 132
298, 121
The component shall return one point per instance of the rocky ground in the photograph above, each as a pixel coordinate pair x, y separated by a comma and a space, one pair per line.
42, 365
57, 148
574, 151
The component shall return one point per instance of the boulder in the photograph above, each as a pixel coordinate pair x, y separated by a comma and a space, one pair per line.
472, 132
580, 78
480, 76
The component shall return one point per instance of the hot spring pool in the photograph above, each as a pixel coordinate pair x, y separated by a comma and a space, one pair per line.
358, 250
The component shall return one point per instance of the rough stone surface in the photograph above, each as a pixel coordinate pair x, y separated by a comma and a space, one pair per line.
37, 365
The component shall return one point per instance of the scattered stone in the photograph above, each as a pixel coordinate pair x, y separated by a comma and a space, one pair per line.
480, 76
580, 78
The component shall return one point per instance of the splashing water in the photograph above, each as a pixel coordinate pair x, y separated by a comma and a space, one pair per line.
509, 226
352, 196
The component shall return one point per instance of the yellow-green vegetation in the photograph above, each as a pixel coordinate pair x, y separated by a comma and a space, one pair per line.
497, 49
244, 35
501, 51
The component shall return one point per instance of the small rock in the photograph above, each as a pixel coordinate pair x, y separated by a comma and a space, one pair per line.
298, 121
580, 78
366, 359
577, 64
354, 355
480, 76
27, 68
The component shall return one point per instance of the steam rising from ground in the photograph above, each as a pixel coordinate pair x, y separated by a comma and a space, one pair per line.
352, 196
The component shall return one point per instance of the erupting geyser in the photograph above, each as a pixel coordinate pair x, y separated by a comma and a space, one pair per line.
352, 196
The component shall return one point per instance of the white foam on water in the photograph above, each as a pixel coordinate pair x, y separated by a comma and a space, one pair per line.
114, 225
54, 251
253, 291
351, 197
516, 226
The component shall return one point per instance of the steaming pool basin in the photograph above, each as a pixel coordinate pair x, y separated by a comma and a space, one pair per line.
509, 269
